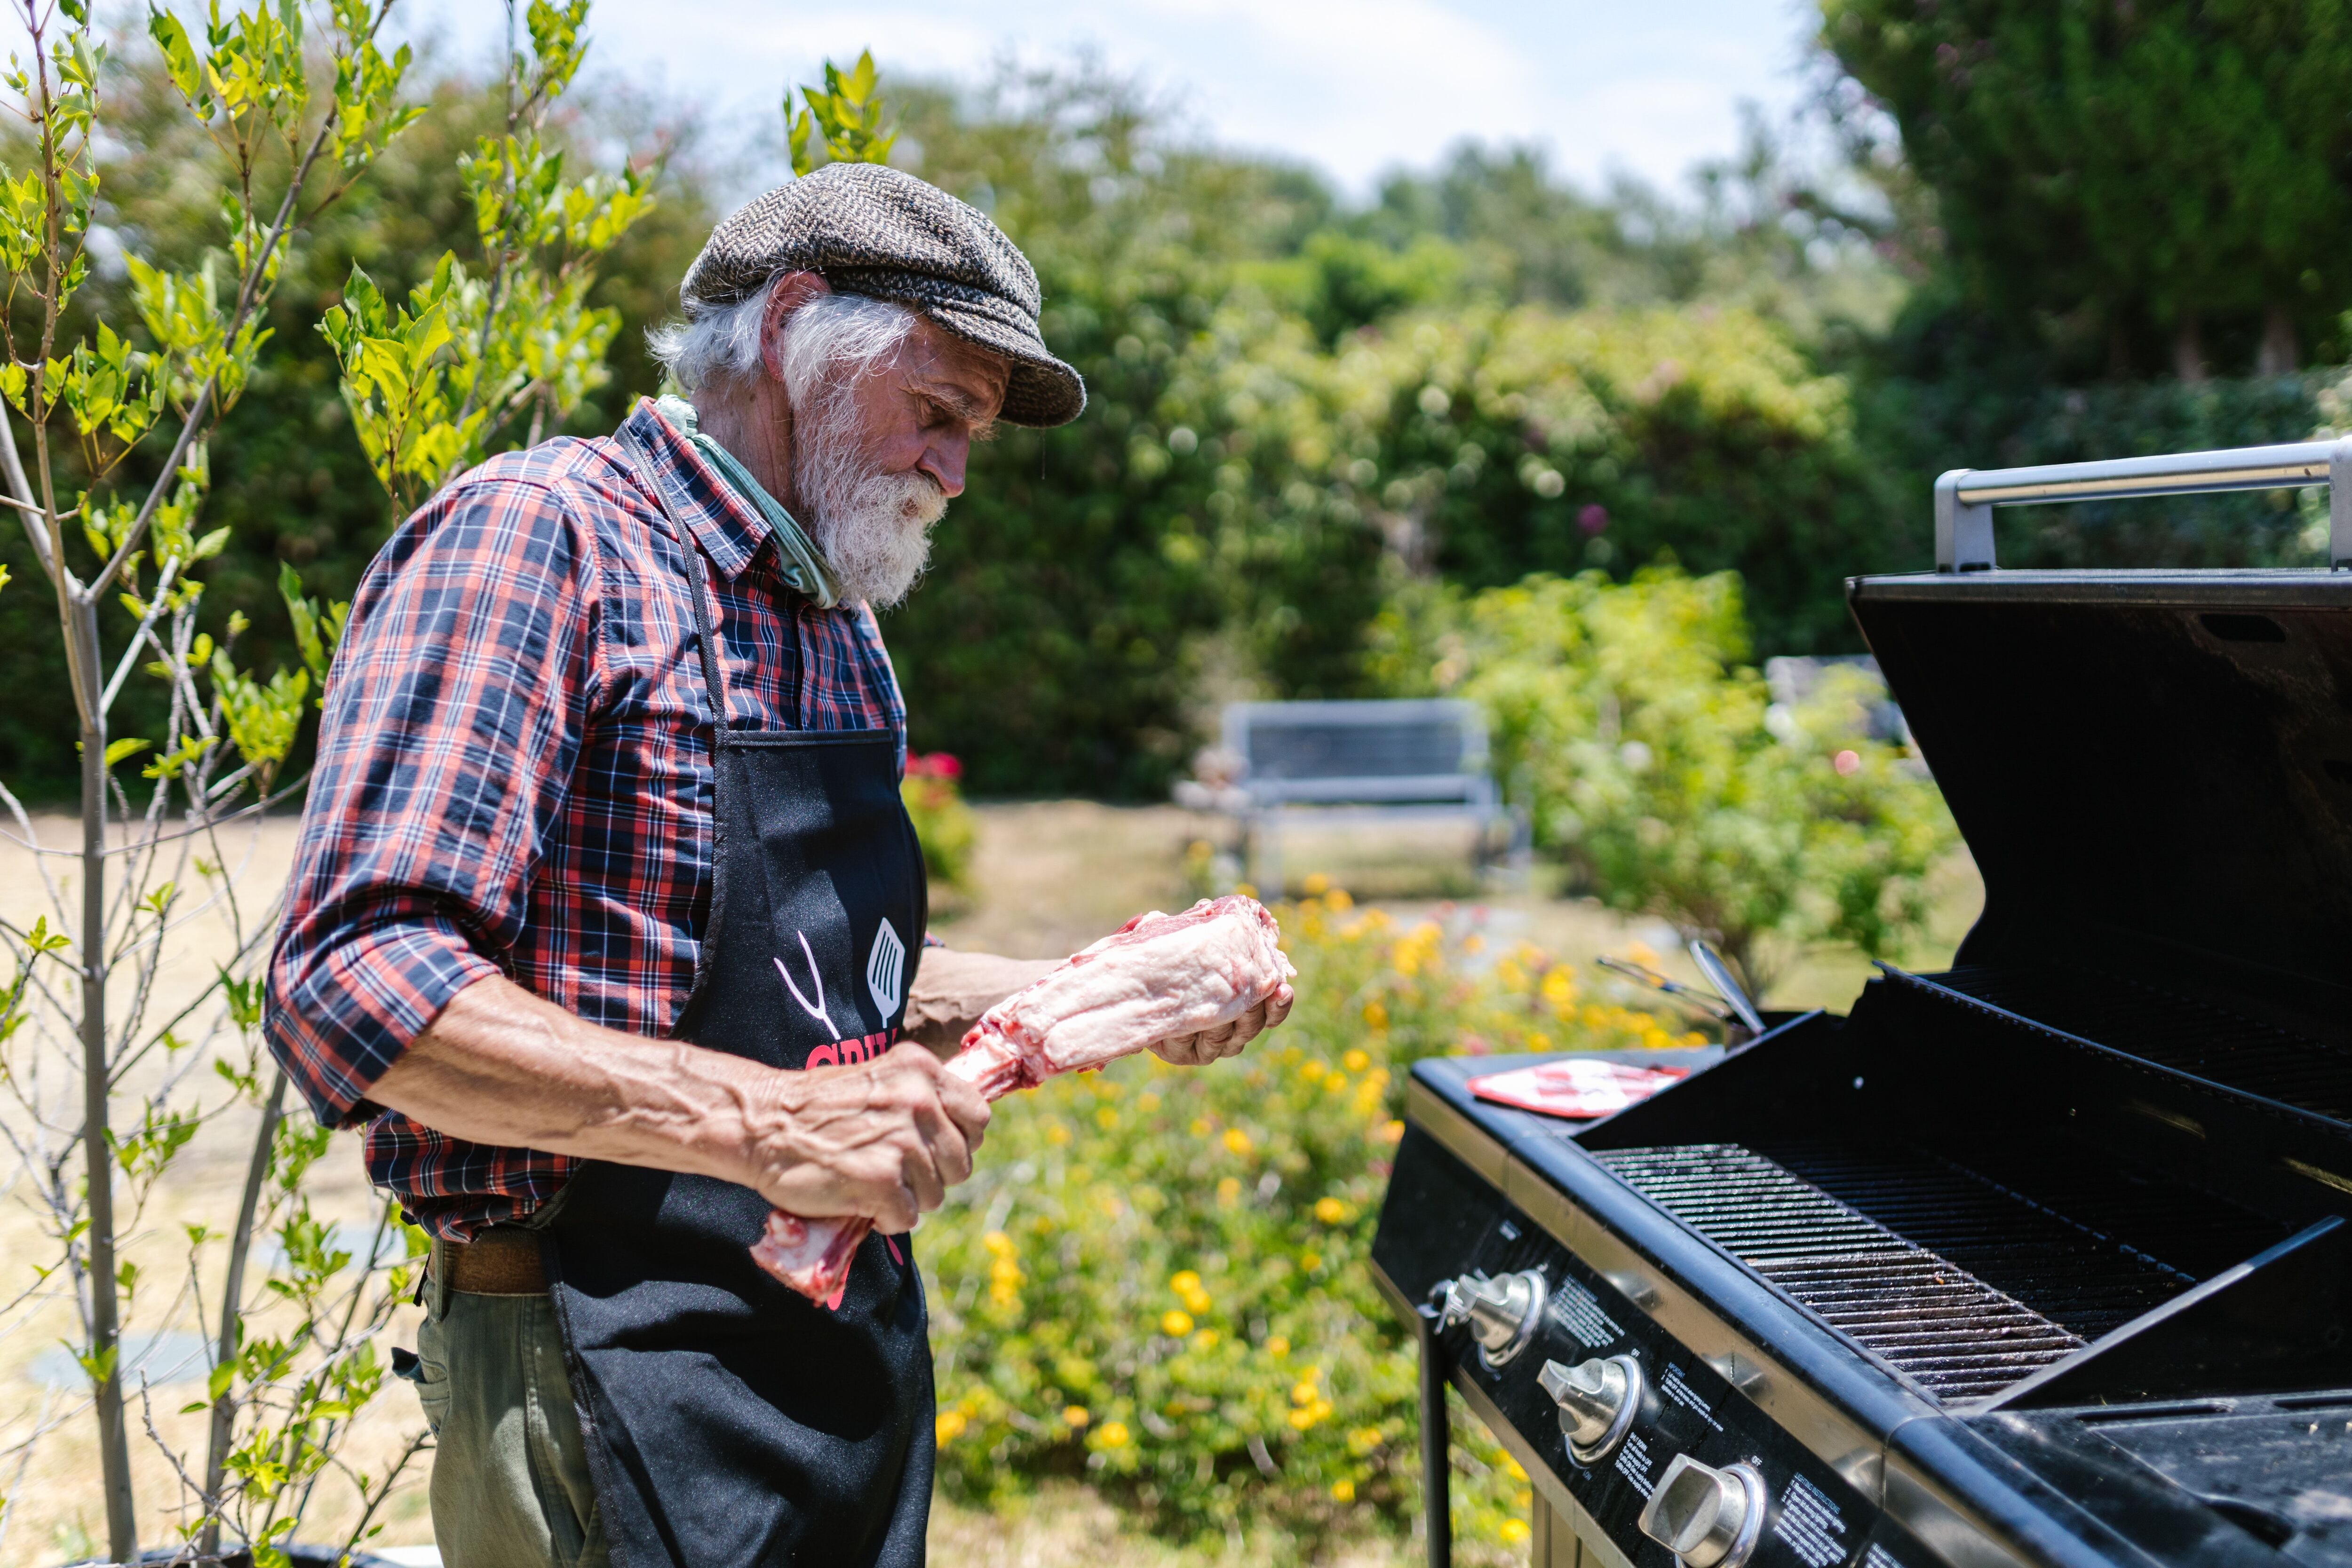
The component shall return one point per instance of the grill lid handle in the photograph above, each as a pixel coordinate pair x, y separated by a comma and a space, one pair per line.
1965, 498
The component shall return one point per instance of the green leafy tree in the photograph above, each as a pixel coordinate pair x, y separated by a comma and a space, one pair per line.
2118, 173
83, 1003
436, 384
844, 117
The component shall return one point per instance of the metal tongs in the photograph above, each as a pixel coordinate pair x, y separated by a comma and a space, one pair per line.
1727, 1004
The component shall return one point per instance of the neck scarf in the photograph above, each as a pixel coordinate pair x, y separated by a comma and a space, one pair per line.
798, 559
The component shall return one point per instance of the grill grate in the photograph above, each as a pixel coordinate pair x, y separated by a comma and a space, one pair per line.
1863, 1260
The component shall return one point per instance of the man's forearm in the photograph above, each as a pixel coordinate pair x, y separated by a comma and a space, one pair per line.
883, 1138
503, 1066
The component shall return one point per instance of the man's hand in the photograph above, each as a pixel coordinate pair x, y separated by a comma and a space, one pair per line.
885, 1139
1216, 1044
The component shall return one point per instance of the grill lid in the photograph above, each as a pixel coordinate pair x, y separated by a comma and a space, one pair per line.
2152, 769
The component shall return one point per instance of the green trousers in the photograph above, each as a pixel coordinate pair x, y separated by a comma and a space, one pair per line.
510, 1486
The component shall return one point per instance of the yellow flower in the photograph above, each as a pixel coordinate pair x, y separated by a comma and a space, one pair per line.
1175, 1323
1237, 1141
1355, 1061
1184, 1282
1278, 1345
1343, 1492
1056, 1133
1111, 1435
1300, 1420
949, 1424
1200, 1126
1473, 943
1316, 886
1364, 1439
1147, 1103
1229, 1191
1247, 889
1523, 1497
997, 1244
1206, 1339
1312, 1070
1389, 1132
1331, 1210
1310, 1261
1376, 1014
1075, 1416
1337, 899
1514, 1530
1106, 1118
1513, 1468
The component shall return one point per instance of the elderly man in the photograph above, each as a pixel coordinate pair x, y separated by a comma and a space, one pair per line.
607, 916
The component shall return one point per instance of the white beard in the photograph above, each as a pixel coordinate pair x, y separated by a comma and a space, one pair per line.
874, 529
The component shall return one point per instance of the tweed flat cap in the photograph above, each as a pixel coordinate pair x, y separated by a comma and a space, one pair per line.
870, 229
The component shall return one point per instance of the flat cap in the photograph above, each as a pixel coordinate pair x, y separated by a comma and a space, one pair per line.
870, 229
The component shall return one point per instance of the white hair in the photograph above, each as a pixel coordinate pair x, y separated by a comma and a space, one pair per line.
828, 333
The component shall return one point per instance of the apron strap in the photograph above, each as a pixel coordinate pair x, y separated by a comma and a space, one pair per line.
698, 582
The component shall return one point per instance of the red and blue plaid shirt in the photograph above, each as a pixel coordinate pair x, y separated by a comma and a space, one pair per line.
514, 778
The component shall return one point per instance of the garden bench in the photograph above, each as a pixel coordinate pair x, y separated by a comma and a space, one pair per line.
1323, 762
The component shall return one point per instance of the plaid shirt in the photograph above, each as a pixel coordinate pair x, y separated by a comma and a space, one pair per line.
514, 778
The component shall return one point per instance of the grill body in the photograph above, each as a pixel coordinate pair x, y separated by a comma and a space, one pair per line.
2044, 1260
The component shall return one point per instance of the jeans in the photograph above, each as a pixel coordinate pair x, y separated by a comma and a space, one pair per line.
511, 1485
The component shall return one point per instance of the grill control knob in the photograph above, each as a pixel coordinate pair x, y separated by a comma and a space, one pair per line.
1598, 1400
1501, 1313
1707, 1518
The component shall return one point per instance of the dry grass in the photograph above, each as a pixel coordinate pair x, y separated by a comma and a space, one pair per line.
1049, 878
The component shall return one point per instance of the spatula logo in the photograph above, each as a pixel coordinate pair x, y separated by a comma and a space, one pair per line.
886, 970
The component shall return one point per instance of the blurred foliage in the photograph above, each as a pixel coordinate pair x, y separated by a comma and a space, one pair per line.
1937, 393
1157, 1278
2162, 182
1657, 763
1259, 466
944, 825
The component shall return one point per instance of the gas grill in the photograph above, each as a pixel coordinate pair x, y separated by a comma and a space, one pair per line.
2042, 1261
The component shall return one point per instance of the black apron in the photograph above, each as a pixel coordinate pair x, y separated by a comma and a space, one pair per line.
727, 1420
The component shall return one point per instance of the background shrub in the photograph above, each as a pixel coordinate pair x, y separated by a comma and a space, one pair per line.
1653, 761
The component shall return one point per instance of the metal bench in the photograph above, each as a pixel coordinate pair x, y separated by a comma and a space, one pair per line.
1339, 761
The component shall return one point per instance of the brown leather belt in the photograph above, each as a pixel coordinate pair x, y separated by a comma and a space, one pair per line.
497, 1263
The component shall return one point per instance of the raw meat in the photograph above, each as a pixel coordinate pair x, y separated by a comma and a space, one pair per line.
1157, 978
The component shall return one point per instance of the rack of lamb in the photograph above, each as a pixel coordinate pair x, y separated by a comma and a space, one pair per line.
1157, 978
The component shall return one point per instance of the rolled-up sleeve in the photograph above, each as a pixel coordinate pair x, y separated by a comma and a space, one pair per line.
452, 721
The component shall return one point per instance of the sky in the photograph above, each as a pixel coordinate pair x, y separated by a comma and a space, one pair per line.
1354, 87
